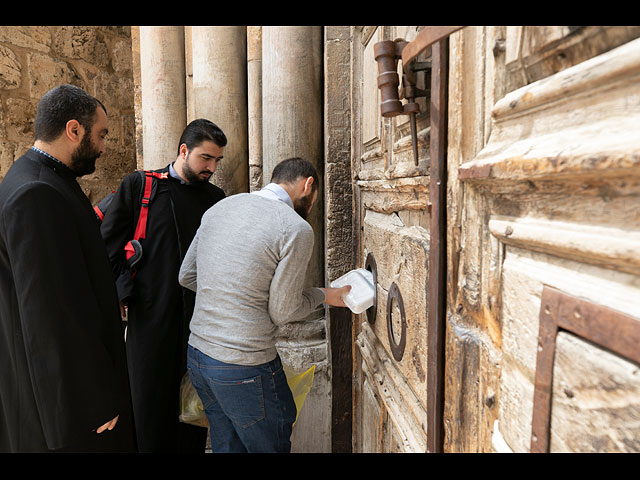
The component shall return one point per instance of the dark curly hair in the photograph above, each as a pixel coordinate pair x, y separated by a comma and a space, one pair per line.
199, 131
61, 104
292, 169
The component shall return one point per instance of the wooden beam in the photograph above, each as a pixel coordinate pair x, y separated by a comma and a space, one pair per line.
437, 246
427, 37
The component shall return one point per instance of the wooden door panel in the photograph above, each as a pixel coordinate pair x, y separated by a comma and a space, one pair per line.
392, 208
595, 387
369, 427
401, 258
536, 52
371, 164
559, 183
525, 274
397, 401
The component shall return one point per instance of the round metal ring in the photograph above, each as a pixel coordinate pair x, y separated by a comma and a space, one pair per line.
397, 349
370, 265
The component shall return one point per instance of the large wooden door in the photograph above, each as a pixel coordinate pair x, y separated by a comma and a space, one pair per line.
543, 328
392, 218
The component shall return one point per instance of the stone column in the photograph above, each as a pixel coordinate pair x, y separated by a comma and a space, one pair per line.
293, 126
292, 111
162, 74
254, 98
219, 56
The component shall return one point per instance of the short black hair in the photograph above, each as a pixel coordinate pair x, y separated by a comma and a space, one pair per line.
201, 130
290, 170
60, 105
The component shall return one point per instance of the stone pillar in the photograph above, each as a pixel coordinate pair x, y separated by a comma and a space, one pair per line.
254, 98
292, 111
162, 74
219, 57
293, 126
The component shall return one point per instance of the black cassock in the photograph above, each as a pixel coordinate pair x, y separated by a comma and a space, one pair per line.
63, 371
159, 308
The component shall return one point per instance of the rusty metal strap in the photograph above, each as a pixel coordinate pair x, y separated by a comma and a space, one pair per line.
427, 37
613, 330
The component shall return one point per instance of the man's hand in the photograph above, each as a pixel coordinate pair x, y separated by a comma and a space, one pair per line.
109, 425
334, 296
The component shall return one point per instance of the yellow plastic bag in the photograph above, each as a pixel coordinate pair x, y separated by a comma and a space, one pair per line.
192, 411
300, 385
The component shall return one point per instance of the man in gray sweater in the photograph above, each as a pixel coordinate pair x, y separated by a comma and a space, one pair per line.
247, 265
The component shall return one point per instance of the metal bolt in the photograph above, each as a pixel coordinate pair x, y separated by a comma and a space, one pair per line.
490, 401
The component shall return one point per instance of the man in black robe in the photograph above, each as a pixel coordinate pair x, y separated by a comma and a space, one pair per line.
63, 375
159, 309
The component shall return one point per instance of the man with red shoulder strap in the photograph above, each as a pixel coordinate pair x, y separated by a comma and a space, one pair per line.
158, 308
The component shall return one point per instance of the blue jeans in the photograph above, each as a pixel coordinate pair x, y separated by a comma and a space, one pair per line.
250, 408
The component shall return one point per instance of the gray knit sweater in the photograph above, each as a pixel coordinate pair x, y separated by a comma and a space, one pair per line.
247, 265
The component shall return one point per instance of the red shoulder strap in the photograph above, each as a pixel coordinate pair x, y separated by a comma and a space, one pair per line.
141, 227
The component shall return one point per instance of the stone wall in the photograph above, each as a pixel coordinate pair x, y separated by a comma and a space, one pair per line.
34, 59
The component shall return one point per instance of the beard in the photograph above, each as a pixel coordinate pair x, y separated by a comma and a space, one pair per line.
83, 160
303, 205
193, 177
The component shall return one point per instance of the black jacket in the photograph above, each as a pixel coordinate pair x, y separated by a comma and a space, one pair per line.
62, 354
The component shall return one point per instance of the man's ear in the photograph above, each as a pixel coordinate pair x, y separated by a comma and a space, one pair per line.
74, 131
183, 150
307, 185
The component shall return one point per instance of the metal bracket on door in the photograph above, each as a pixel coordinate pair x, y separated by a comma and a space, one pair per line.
397, 348
387, 54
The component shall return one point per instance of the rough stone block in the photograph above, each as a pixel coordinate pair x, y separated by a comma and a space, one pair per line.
20, 117
86, 43
46, 73
10, 69
32, 37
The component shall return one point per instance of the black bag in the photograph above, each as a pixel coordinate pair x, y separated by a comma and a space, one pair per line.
133, 249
